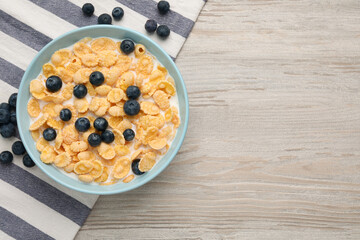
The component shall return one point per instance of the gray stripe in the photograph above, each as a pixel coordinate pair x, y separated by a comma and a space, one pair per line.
67, 11
45, 193
10, 73
22, 32
18, 228
175, 21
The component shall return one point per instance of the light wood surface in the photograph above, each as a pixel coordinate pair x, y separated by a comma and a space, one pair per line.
273, 145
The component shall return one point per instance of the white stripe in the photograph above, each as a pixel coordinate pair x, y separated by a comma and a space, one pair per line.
36, 17
15, 51
188, 8
136, 21
36, 213
4, 236
5, 144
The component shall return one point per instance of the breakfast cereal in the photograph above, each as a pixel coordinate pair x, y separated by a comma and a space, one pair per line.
79, 143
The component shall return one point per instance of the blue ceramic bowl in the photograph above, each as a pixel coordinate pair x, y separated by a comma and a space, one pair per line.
34, 69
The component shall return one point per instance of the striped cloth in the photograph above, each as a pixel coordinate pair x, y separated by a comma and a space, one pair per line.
32, 206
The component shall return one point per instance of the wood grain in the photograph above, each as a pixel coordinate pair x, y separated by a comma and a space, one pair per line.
273, 145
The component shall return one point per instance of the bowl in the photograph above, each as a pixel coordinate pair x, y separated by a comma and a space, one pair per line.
65, 40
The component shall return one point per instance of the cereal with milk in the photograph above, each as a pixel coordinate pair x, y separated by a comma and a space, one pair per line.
134, 141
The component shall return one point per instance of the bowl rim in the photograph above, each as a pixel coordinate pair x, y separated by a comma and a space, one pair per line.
153, 174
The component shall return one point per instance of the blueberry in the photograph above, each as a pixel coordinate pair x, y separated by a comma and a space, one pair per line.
117, 13
4, 116
80, 91
18, 148
7, 130
6, 157
49, 134
94, 139
100, 124
135, 167
127, 46
163, 31
88, 9
82, 124
133, 92
163, 7
53, 83
150, 26
65, 114
129, 134
12, 100
131, 107
27, 161
13, 118
104, 19
5, 106
96, 78
107, 136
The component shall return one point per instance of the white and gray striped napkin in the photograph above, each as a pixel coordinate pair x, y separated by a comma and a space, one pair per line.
32, 206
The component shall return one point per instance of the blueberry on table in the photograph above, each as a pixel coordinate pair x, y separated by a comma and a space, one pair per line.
82, 124
5, 106
107, 136
7, 130
65, 114
150, 26
133, 92
27, 161
88, 9
49, 134
6, 157
96, 78
101, 124
163, 31
94, 139
13, 118
4, 116
53, 83
117, 13
129, 134
12, 100
104, 19
18, 148
135, 167
127, 46
131, 107
163, 7
80, 91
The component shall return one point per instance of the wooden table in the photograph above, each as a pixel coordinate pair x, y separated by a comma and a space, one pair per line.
273, 145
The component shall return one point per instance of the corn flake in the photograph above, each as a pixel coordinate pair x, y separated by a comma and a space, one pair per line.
106, 151
83, 167
128, 178
33, 108
149, 108
86, 156
121, 150
90, 60
115, 95
39, 122
147, 162
62, 160
103, 44
48, 155
121, 168
144, 65
56, 124
103, 90
161, 99
97, 169
70, 134
41, 144
60, 57
82, 75
81, 105
107, 58
49, 70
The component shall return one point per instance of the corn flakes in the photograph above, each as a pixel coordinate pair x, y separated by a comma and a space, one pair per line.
83, 167
161, 99
39, 122
149, 108
106, 151
48, 155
